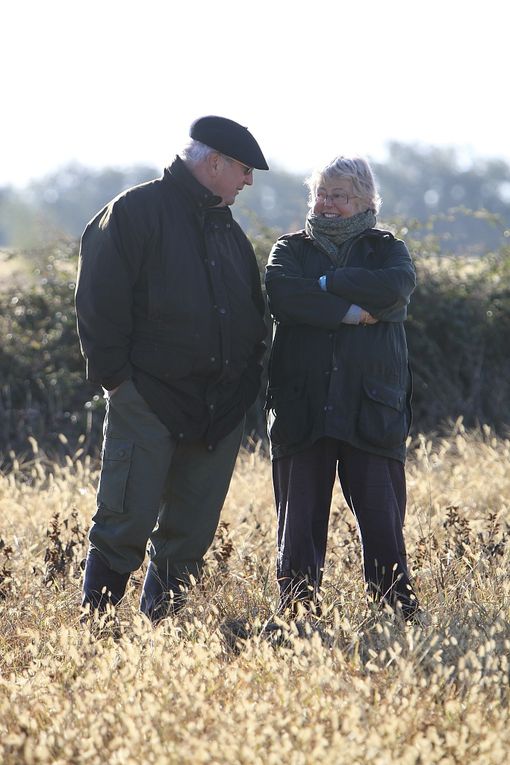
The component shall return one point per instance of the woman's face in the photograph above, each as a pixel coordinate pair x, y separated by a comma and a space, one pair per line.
336, 199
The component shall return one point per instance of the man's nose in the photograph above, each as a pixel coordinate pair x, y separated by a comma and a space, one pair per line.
248, 179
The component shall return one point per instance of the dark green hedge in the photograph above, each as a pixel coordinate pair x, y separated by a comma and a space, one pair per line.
458, 332
42, 388
459, 341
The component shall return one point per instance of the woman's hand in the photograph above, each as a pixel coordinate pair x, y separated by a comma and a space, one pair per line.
367, 318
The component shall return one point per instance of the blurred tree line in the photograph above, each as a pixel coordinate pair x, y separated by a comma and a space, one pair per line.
416, 183
458, 330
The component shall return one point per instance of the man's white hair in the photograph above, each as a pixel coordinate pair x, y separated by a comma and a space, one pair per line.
195, 152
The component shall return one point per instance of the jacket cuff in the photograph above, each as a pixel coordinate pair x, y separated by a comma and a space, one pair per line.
113, 381
353, 315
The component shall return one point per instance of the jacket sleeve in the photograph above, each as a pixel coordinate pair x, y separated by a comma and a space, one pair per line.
294, 299
254, 366
109, 262
384, 291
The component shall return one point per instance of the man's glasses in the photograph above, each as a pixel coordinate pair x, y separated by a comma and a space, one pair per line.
246, 170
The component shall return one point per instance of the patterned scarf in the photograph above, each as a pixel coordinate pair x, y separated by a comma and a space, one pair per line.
331, 233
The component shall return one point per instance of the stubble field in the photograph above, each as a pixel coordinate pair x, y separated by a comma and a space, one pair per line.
213, 685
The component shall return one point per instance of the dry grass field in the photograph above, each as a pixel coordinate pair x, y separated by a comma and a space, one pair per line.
351, 686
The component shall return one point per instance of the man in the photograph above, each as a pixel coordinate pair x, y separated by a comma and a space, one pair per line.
170, 319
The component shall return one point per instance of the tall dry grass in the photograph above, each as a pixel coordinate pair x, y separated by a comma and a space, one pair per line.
351, 687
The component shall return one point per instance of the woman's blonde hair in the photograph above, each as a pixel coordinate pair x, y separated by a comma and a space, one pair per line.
357, 170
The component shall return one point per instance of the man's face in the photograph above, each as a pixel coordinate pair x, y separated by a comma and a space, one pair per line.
231, 178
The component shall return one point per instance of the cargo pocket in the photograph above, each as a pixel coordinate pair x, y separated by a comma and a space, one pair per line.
382, 418
116, 462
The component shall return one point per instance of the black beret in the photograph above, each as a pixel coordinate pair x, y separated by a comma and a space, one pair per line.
230, 138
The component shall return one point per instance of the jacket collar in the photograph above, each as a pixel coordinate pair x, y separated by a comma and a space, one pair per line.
197, 194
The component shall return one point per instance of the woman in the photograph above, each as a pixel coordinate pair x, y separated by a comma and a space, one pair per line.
339, 385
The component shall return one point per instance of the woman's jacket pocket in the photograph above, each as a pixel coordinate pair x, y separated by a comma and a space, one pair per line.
116, 463
383, 418
289, 416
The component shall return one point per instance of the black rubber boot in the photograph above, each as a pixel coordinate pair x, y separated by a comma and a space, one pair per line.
102, 585
162, 595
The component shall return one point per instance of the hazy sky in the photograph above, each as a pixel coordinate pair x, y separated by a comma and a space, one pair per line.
117, 82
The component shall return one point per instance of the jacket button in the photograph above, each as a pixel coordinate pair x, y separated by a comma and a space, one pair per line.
213, 262
212, 359
223, 311
122, 453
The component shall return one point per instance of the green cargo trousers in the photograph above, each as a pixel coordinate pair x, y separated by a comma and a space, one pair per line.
156, 491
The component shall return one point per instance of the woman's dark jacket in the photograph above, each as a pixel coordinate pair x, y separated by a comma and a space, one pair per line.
169, 294
349, 382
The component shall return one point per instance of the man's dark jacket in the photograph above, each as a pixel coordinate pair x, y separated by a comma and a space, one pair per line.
349, 382
169, 294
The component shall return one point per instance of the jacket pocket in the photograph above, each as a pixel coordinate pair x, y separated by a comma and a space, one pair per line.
383, 419
116, 463
163, 360
289, 416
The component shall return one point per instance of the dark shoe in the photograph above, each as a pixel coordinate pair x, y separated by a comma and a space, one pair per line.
102, 625
299, 595
237, 632
401, 600
418, 618
102, 586
297, 609
161, 595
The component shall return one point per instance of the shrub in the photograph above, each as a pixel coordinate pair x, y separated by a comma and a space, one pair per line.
42, 393
458, 329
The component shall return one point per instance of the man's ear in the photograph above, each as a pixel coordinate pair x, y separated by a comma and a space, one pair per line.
214, 163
